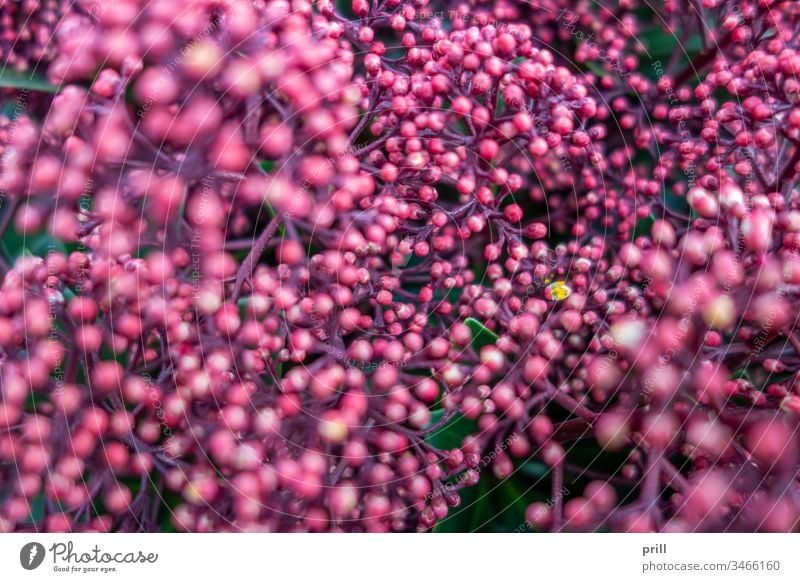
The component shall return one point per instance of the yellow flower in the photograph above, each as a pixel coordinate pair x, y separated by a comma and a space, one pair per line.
557, 291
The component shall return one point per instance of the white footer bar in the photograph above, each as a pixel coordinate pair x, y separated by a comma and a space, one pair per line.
401, 558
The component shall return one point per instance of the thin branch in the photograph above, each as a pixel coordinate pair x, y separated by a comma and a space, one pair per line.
246, 270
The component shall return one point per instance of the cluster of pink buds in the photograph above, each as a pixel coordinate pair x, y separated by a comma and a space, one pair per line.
26, 31
273, 265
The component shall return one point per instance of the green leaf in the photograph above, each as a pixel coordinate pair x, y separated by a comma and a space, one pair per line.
11, 79
643, 226
436, 416
534, 470
481, 335
661, 44
15, 245
596, 68
474, 511
491, 506
37, 509
514, 497
169, 501
451, 435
